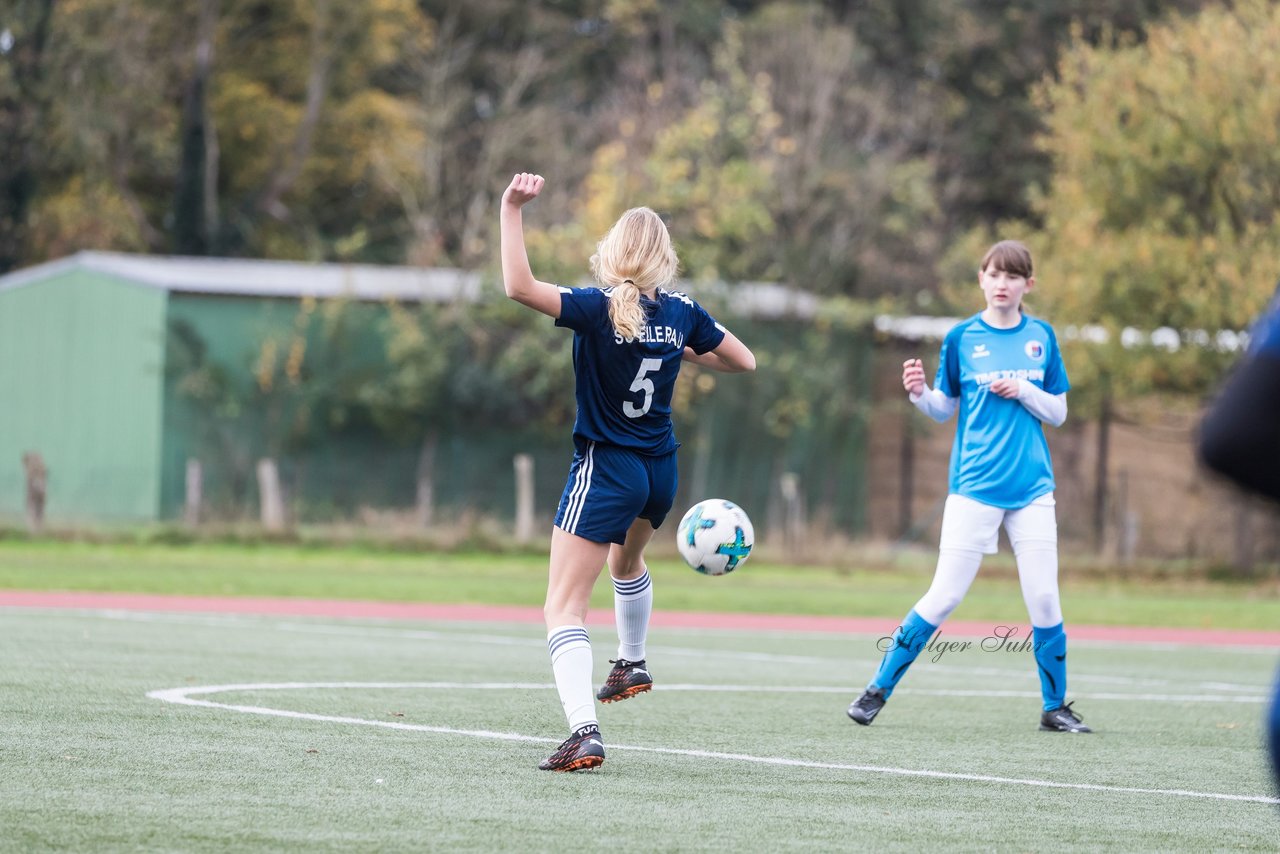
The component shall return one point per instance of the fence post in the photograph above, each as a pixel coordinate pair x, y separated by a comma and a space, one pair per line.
195, 492
270, 498
906, 477
524, 498
792, 511
37, 489
1102, 470
424, 496
1128, 521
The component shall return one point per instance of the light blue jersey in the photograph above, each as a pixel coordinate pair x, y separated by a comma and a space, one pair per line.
1000, 456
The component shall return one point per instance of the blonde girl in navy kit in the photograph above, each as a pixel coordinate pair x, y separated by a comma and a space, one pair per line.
630, 336
1002, 369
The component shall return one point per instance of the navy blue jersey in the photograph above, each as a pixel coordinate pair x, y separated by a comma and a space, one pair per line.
1000, 456
624, 386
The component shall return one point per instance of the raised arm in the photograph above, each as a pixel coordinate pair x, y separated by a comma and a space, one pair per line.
517, 277
730, 357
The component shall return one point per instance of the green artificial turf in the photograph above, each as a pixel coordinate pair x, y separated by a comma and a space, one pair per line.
765, 758
507, 579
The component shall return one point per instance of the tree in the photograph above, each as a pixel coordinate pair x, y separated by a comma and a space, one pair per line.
855, 209
1163, 207
24, 97
295, 387
313, 151
779, 165
837, 146
195, 206
107, 137
276, 130
467, 368
976, 63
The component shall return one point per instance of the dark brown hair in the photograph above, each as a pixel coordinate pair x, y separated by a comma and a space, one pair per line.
1011, 256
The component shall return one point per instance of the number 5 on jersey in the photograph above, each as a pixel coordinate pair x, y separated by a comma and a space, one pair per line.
644, 384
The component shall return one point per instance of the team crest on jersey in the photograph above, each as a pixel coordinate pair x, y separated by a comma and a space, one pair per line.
1035, 350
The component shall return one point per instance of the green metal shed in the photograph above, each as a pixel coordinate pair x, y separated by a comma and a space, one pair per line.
83, 348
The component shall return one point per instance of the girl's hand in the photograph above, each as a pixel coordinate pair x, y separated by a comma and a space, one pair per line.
913, 377
524, 188
1008, 389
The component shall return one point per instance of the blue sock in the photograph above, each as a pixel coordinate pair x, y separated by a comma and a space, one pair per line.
1051, 658
908, 640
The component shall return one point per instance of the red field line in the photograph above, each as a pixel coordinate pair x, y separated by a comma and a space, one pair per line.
287, 607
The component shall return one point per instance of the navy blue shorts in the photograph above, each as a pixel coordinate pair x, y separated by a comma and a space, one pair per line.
611, 487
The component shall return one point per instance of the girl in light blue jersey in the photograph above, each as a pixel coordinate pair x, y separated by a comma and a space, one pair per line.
1003, 371
630, 337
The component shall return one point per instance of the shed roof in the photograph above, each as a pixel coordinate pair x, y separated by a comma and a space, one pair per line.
245, 277
234, 276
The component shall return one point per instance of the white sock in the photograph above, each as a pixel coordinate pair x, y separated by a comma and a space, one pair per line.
570, 649
632, 605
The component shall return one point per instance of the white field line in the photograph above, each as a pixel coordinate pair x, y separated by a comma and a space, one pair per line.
185, 696
390, 623
947, 664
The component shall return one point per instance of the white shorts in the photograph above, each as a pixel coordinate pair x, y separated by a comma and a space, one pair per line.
972, 526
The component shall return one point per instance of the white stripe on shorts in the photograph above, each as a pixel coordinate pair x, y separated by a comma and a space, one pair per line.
581, 486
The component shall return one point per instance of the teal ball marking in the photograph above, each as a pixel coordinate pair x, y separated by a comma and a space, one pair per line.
736, 550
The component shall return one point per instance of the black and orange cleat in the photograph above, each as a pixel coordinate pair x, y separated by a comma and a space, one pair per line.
581, 751
626, 679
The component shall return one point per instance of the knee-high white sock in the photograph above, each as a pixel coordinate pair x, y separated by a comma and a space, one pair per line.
632, 605
570, 649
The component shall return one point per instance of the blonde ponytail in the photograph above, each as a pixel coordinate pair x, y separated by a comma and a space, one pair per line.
635, 256
625, 311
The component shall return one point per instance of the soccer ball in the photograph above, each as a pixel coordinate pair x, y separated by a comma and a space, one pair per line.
715, 536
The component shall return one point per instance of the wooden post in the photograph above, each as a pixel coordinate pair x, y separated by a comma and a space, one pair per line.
524, 498
1127, 541
37, 489
424, 506
1101, 474
195, 492
270, 497
906, 477
792, 511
